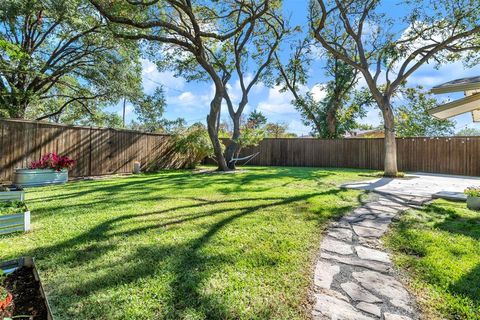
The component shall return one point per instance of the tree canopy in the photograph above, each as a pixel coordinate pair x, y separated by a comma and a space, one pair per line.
190, 34
388, 47
413, 120
59, 61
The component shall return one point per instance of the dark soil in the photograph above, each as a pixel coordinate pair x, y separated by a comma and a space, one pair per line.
27, 300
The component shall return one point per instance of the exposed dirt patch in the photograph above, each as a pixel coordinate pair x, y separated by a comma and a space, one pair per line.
27, 299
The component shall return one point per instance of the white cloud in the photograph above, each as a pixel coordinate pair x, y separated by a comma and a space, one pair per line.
297, 127
319, 92
187, 98
152, 78
277, 102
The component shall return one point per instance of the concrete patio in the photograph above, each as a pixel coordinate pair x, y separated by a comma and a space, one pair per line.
420, 185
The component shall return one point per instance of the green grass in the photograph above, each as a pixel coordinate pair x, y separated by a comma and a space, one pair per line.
439, 249
177, 245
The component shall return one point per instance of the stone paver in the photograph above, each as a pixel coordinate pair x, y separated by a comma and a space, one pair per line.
330, 307
336, 246
324, 274
341, 234
357, 293
369, 308
372, 254
354, 277
391, 316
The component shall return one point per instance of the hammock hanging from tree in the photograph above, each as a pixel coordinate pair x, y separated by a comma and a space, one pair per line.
248, 158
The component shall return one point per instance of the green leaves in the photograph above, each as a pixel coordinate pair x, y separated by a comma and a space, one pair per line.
413, 119
150, 109
194, 143
12, 51
58, 61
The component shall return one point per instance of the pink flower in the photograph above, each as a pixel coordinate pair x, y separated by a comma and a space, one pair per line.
53, 161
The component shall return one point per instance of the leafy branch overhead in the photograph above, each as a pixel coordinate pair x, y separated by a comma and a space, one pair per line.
58, 57
190, 35
335, 114
388, 48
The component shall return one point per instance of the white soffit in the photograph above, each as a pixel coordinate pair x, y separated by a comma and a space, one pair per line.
454, 108
476, 115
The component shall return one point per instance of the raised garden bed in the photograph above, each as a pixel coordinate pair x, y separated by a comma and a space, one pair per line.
14, 216
11, 193
39, 177
23, 282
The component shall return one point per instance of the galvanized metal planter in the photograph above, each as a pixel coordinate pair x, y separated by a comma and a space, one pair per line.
15, 222
12, 265
39, 177
14, 195
473, 203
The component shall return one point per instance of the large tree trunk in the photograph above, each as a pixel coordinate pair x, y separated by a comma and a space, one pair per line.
212, 122
233, 146
332, 120
390, 164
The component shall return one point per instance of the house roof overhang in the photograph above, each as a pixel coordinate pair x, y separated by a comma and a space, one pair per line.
470, 103
458, 85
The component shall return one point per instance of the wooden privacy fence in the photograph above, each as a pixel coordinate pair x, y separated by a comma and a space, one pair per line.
106, 151
454, 155
97, 151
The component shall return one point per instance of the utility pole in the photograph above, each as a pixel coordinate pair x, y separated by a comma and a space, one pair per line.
124, 102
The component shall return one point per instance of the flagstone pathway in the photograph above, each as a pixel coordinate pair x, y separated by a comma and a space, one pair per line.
354, 278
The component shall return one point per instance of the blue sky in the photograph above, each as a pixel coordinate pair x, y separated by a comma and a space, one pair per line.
191, 100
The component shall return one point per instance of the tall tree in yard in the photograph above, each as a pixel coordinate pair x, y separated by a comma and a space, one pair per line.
249, 56
190, 34
256, 119
58, 56
389, 48
332, 116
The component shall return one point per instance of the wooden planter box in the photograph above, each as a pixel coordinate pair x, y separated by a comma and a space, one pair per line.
29, 262
15, 222
39, 177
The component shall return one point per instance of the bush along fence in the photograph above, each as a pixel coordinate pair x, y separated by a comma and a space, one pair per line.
447, 155
97, 151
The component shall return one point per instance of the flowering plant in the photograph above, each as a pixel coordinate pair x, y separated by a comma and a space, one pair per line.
472, 191
53, 161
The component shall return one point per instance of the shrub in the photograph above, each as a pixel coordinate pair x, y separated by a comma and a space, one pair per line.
472, 191
12, 207
250, 137
193, 143
53, 161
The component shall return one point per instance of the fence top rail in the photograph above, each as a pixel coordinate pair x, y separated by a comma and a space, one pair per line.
51, 124
368, 139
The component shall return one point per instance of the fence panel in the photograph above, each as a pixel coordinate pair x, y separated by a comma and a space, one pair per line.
449, 155
105, 151
97, 151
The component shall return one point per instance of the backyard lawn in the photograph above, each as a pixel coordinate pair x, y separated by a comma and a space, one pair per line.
438, 247
183, 245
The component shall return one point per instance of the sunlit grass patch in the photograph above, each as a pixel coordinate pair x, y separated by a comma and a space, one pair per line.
183, 245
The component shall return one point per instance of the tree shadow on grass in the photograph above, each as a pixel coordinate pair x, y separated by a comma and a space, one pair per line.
414, 237
468, 286
189, 266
